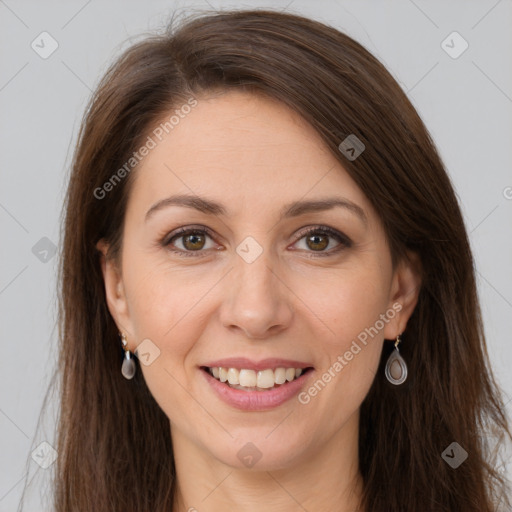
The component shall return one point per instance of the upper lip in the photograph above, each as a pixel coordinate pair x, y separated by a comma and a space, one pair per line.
244, 363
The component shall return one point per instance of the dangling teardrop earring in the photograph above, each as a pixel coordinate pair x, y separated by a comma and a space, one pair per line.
396, 369
128, 368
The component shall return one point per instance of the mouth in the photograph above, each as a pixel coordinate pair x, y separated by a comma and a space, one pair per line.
245, 379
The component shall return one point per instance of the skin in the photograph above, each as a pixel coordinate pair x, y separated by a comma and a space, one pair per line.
254, 155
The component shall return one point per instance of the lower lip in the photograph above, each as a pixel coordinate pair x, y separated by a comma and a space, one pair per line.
256, 400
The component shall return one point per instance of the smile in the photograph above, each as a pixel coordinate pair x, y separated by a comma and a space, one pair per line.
251, 380
255, 390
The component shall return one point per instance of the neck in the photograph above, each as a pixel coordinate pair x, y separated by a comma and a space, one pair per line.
324, 477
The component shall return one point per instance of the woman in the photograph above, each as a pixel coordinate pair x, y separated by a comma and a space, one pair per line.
259, 228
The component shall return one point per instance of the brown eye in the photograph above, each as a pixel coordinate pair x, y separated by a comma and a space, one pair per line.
186, 242
194, 241
317, 242
318, 239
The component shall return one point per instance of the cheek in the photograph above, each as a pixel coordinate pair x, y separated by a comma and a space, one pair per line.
351, 307
153, 305
167, 304
157, 294
162, 305
348, 302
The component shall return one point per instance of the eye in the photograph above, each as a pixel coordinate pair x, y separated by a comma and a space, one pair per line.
193, 241
317, 239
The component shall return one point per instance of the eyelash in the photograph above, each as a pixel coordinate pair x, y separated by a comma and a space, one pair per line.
324, 230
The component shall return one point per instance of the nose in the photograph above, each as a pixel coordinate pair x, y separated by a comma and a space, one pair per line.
257, 301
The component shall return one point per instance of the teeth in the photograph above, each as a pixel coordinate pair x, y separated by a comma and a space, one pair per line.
266, 379
247, 378
250, 379
280, 375
233, 376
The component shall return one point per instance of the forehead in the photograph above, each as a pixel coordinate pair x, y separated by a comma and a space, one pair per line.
244, 149
236, 126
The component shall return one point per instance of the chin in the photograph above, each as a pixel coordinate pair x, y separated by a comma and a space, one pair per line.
255, 453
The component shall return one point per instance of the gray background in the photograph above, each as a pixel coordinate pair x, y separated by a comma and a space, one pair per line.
466, 103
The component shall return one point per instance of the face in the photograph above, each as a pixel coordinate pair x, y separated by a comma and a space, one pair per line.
256, 276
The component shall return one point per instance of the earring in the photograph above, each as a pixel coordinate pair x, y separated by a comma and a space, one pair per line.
396, 369
128, 368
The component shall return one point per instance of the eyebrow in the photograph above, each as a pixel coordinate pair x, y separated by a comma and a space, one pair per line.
294, 209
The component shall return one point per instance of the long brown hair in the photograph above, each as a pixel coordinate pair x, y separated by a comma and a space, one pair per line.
114, 444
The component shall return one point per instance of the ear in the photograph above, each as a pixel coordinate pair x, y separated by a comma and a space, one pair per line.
114, 291
405, 290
